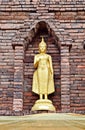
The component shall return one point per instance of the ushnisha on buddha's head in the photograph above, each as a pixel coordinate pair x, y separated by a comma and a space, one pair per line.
42, 46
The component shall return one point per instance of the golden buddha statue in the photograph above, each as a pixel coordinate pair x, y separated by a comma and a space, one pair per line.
43, 83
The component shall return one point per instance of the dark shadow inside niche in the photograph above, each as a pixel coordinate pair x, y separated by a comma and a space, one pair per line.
41, 28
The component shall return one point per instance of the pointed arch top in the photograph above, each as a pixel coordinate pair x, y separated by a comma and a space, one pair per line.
42, 27
52, 27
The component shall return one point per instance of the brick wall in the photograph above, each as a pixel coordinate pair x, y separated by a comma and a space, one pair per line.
65, 21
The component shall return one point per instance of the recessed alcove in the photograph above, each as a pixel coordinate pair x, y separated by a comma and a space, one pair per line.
41, 29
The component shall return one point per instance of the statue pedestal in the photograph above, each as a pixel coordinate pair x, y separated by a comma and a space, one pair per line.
43, 104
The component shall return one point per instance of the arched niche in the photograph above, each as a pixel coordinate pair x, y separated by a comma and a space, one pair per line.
31, 48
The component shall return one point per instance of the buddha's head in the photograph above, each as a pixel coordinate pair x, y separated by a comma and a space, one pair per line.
42, 46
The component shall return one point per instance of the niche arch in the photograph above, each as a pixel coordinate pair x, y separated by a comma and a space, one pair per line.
31, 48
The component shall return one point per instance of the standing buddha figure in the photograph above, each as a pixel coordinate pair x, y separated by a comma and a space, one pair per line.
43, 83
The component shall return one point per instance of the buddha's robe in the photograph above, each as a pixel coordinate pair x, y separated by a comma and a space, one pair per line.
43, 82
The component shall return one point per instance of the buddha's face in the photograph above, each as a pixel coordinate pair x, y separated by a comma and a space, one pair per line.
42, 49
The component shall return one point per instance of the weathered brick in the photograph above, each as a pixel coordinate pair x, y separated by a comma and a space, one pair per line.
20, 29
